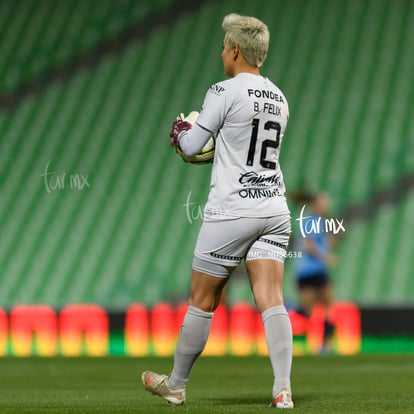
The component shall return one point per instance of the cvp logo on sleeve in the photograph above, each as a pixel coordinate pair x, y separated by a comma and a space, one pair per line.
216, 89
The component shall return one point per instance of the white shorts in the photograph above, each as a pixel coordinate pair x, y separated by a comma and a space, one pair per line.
223, 244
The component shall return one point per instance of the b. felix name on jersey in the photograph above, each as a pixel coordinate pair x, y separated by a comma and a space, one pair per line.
266, 106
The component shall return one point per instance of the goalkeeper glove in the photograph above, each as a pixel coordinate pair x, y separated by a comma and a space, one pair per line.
178, 127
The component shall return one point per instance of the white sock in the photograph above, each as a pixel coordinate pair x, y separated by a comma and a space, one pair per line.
279, 338
191, 342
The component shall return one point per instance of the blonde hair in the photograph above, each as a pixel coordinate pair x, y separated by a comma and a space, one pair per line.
251, 35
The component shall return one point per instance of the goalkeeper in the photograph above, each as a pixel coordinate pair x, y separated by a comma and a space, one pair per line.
246, 215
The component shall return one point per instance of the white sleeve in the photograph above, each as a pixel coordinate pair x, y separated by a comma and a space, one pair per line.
194, 139
209, 121
214, 108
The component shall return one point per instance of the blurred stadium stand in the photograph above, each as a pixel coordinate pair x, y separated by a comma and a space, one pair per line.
95, 206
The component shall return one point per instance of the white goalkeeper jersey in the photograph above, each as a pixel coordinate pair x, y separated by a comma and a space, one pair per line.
248, 115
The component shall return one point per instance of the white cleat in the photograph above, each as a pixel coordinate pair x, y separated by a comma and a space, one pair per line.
158, 385
282, 400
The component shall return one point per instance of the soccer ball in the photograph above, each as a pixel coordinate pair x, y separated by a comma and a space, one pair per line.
206, 154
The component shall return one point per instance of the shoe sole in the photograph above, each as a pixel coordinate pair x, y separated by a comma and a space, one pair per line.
284, 405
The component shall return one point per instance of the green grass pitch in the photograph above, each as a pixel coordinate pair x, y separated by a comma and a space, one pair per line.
326, 384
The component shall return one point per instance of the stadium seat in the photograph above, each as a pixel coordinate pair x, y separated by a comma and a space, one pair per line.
40, 35
260, 336
84, 330
33, 330
110, 120
242, 329
163, 329
3, 332
217, 341
137, 330
347, 320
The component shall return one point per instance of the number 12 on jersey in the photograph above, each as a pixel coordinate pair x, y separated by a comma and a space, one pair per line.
265, 144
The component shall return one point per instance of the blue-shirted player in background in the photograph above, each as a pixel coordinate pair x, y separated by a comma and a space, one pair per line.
313, 267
